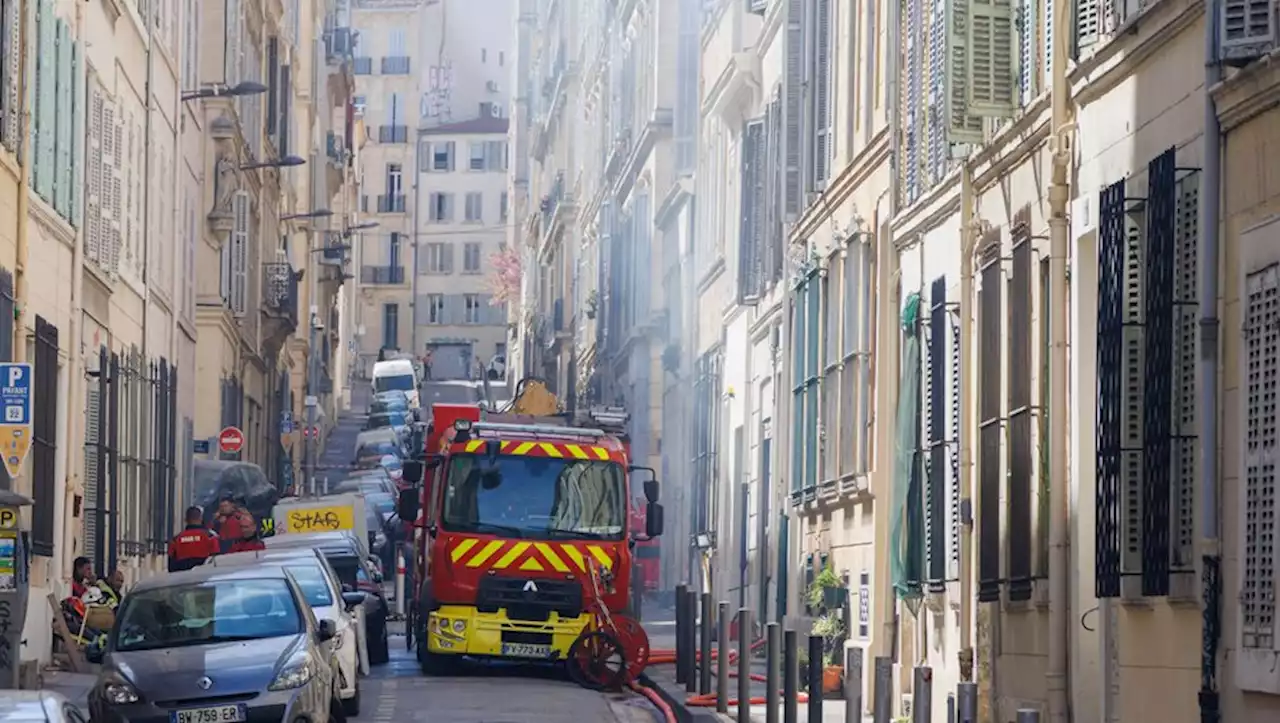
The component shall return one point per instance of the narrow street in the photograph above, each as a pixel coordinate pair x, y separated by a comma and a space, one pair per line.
398, 691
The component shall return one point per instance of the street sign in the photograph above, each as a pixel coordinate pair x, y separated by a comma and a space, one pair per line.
286, 422
230, 440
200, 446
15, 425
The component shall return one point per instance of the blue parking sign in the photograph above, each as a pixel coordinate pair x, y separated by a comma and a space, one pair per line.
15, 394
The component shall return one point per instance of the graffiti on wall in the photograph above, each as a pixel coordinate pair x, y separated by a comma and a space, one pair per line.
436, 101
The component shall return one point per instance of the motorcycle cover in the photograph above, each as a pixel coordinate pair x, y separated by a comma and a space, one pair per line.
214, 478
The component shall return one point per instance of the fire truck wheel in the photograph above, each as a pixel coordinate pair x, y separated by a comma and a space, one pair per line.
433, 664
379, 646
596, 661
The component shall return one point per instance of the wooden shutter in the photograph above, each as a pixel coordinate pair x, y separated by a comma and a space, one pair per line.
96, 160
286, 104
962, 125
46, 81
273, 90
64, 116
750, 232
993, 58
793, 108
240, 253
10, 93
823, 85
232, 47
1247, 28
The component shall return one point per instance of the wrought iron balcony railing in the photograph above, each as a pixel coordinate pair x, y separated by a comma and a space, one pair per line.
280, 290
362, 66
339, 43
393, 134
395, 65
382, 274
391, 203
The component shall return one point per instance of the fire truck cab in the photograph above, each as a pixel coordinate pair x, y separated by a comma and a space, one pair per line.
513, 509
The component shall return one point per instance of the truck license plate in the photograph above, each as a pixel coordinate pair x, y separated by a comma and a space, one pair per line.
212, 714
526, 650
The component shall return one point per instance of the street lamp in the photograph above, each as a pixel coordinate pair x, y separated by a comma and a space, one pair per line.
320, 213
285, 162
221, 90
359, 227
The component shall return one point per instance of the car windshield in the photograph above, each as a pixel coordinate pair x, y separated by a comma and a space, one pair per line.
381, 501
536, 497
315, 585
401, 382
207, 613
398, 405
347, 567
374, 451
386, 419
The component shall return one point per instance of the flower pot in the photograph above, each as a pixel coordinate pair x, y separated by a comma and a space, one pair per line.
834, 597
832, 678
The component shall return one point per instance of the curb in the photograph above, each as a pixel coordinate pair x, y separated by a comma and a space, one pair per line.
675, 697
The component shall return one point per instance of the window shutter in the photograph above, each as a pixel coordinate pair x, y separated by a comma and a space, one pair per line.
65, 116
1027, 46
224, 273
286, 104
273, 89
424, 157
935, 115
45, 120
10, 98
446, 258
993, 53
448, 204
232, 52
913, 105
752, 222
793, 90
1261, 347
1047, 55
963, 126
823, 142
96, 160
109, 186
452, 154
78, 122
1247, 29
240, 253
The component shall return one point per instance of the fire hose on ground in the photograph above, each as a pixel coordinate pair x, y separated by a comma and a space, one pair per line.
666, 657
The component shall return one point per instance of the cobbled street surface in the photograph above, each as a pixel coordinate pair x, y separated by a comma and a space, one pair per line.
398, 692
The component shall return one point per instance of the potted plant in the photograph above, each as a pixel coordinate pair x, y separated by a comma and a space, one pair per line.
827, 591
831, 627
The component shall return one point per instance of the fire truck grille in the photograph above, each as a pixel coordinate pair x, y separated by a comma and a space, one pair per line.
531, 602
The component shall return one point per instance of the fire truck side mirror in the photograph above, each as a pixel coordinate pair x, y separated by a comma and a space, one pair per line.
413, 472
407, 505
653, 520
650, 485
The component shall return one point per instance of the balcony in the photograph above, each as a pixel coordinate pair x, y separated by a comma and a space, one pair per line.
362, 66
335, 150
339, 44
393, 134
391, 203
279, 304
395, 65
334, 252
379, 275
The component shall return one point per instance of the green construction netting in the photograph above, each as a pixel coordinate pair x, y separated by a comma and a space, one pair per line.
907, 551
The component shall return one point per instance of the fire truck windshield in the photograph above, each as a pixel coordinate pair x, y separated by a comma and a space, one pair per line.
536, 497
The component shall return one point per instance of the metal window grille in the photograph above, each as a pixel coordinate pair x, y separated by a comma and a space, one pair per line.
1112, 244
1262, 369
44, 450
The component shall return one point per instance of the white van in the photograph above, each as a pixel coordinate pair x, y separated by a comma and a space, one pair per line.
397, 374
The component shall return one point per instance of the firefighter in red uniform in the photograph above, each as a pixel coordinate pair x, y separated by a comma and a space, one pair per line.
195, 544
237, 529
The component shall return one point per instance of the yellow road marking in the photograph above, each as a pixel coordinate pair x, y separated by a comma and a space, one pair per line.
576, 555
516, 551
532, 564
551, 557
550, 450
488, 552
600, 556
462, 548
576, 451
523, 448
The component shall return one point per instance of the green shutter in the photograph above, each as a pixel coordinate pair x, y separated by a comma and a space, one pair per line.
962, 125
64, 117
79, 127
993, 58
46, 99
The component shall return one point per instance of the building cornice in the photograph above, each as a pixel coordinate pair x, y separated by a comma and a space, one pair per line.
1249, 93
852, 176
1132, 44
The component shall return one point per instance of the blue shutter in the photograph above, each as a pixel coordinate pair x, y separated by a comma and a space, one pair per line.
79, 127
911, 141
936, 137
1026, 45
64, 118
46, 79
1048, 42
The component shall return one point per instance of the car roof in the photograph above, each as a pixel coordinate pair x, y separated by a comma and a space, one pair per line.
210, 573
276, 555
338, 539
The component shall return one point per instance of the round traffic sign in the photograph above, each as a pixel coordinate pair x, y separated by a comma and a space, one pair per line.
230, 439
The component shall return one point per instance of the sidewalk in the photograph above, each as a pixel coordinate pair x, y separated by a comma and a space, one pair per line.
662, 636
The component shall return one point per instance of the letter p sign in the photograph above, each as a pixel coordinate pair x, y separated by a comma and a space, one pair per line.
16, 374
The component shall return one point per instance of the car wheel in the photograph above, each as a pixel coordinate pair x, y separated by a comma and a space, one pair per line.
351, 706
379, 647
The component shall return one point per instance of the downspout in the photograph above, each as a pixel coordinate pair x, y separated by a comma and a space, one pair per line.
149, 438
75, 370
1210, 205
1059, 500
24, 189
969, 230
413, 236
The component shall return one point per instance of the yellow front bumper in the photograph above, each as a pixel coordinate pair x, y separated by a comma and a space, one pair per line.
461, 630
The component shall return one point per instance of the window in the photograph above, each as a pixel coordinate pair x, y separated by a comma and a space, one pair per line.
190, 45
502, 207
56, 89
396, 43
478, 156
484, 55
806, 314
393, 250
440, 207
442, 156
395, 179
474, 209
496, 155
435, 308
823, 82
390, 326
471, 258
471, 305
437, 258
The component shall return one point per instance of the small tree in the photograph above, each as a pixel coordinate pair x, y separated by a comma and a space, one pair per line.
507, 276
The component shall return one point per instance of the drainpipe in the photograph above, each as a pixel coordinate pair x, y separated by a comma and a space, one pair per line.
1059, 545
146, 229
969, 229
413, 236
24, 189
1210, 201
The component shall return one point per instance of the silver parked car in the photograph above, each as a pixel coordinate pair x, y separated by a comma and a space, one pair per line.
38, 706
215, 645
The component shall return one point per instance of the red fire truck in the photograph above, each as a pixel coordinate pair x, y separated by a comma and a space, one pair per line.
512, 509
646, 550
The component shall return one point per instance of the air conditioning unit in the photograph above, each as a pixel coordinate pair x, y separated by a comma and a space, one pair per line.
491, 86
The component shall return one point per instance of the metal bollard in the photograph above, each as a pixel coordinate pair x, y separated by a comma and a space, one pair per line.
922, 695
852, 684
772, 639
882, 700
704, 650
400, 583
1028, 715
744, 665
967, 703
691, 641
681, 673
790, 678
816, 643
722, 659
